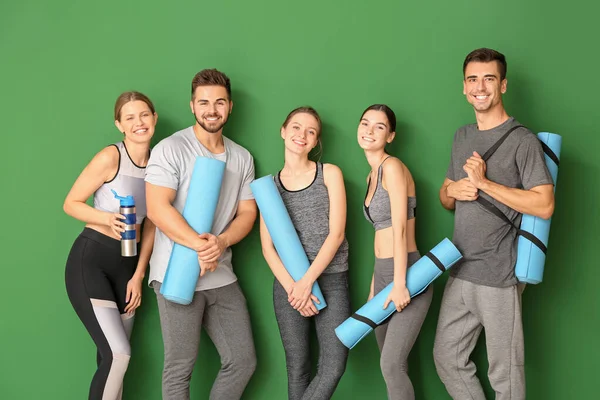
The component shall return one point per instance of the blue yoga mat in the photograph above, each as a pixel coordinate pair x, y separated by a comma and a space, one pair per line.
418, 278
282, 231
183, 269
530, 258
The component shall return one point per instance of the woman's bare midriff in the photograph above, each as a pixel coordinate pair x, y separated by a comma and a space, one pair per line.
384, 240
108, 232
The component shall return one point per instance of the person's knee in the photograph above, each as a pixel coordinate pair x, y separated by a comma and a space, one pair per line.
444, 358
121, 360
298, 368
336, 368
178, 369
121, 356
440, 355
242, 364
249, 364
392, 367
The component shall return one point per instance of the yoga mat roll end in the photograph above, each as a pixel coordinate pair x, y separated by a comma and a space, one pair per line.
351, 331
529, 280
178, 300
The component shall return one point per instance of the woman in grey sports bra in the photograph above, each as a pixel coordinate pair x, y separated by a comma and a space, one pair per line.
390, 205
315, 199
104, 287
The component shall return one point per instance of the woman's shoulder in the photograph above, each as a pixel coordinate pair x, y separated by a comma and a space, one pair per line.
108, 156
331, 171
393, 165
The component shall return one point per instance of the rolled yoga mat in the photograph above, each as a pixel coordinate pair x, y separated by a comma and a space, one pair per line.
532, 256
418, 278
282, 231
183, 269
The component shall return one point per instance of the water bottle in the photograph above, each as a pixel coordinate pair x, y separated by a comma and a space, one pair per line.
128, 238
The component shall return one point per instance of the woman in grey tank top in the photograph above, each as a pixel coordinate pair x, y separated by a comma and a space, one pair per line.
390, 204
103, 286
315, 198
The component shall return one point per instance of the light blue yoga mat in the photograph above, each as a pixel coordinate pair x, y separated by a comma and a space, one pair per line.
183, 269
418, 277
530, 258
282, 231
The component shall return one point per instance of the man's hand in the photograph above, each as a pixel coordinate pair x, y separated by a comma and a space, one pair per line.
212, 249
207, 266
475, 169
462, 190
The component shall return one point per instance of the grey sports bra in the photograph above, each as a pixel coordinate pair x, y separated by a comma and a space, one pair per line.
379, 212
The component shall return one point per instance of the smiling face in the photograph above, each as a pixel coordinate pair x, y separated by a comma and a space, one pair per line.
211, 107
137, 121
301, 133
483, 86
374, 131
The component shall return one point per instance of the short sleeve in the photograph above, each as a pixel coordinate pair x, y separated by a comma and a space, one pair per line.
246, 193
532, 163
162, 168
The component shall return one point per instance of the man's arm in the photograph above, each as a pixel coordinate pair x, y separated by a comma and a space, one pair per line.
447, 202
159, 203
537, 201
239, 228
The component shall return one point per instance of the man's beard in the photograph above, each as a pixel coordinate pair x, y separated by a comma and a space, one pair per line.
213, 128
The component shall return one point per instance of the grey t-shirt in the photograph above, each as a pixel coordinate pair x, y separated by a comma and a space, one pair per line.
171, 164
489, 244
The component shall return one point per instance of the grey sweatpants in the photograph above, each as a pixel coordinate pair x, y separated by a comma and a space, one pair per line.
224, 315
466, 309
398, 334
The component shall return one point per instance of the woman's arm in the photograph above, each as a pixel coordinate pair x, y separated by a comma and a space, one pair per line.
334, 181
396, 183
372, 290
277, 267
272, 258
134, 286
102, 168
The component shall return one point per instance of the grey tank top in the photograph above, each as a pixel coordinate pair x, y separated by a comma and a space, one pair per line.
379, 211
309, 211
129, 180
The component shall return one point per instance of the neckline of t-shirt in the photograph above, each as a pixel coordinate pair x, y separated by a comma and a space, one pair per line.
215, 155
498, 127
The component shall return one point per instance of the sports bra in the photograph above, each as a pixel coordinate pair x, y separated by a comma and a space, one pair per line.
379, 211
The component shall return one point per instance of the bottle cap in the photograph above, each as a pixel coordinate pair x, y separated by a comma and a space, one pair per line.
127, 201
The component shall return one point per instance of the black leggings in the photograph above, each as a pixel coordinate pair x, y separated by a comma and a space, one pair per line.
96, 279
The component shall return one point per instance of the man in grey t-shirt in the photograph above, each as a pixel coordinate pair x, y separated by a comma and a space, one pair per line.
482, 291
218, 304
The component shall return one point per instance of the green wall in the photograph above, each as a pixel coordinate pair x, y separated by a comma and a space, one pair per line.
65, 62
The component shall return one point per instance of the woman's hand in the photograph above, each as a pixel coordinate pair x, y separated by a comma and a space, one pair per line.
310, 309
300, 293
400, 296
113, 221
133, 297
